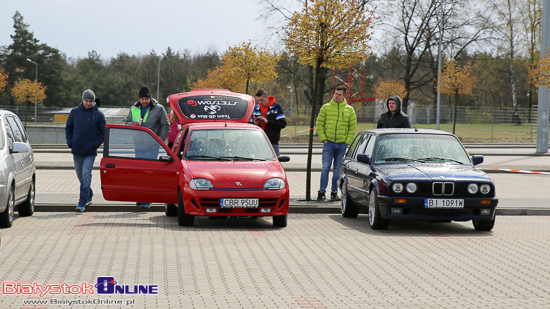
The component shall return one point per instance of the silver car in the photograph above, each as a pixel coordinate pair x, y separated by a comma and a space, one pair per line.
17, 170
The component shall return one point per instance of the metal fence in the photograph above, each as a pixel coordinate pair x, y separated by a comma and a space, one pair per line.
494, 124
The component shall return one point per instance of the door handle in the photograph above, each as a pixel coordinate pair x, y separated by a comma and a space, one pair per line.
109, 165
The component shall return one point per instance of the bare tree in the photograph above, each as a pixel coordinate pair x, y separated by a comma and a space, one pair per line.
507, 18
531, 22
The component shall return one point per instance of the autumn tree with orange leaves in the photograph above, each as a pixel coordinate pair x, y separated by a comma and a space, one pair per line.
389, 87
220, 78
241, 65
26, 91
540, 74
328, 34
3, 79
458, 81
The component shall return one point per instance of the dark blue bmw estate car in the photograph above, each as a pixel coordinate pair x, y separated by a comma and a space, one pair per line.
415, 174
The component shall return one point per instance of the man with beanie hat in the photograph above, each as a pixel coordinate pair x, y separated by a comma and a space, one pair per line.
148, 113
393, 118
84, 131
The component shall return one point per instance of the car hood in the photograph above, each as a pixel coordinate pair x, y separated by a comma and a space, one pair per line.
434, 171
229, 174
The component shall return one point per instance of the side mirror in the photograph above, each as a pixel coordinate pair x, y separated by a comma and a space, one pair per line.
19, 147
283, 158
363, 158
166, 159
477, 159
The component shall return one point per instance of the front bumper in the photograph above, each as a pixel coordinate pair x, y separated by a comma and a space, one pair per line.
207, 203
413, 208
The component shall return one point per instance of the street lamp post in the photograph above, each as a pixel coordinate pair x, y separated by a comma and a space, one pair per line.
36, 81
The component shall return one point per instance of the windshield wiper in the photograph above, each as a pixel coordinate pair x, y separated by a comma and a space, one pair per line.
402, 159
440, 159
209, 157
243, 158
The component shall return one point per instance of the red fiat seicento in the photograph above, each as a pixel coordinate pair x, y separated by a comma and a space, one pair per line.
219, 166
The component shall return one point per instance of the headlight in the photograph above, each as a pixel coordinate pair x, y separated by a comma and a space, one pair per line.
274, 184
411, 187
485, 189
397, 187
472, 188
201, 184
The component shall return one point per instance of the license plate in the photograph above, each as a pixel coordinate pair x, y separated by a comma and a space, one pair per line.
443, 203
239, 202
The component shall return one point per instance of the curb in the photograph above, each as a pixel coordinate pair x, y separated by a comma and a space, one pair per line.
314, 208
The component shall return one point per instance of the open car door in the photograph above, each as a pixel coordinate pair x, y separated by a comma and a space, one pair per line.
138, 167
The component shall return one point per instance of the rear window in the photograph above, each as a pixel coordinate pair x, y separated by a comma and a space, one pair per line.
213, 107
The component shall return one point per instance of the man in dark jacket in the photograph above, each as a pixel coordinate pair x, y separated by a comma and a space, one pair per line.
269, 116
84, 131
393, 118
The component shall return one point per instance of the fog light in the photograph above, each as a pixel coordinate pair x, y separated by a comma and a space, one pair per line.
485, 212
397, 211
210, 210
400, 201
485, 202
265, 210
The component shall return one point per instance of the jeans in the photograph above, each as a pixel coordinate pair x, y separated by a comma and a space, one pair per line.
83, 166
332, 152
276, 148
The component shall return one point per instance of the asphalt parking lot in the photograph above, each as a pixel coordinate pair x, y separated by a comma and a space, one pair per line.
317, 261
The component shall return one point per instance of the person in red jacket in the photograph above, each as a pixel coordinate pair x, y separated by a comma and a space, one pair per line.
269, 116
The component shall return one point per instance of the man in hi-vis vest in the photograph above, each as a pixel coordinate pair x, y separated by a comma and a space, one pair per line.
148, 113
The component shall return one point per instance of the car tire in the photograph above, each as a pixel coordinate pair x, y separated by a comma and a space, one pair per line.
280, 221
183, 218
376, 221
6, 218
347, 206
484, 225
26, 208
170, 210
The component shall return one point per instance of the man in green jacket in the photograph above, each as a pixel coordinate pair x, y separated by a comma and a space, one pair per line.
336, 125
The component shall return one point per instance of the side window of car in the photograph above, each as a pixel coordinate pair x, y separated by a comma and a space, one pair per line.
18, 135
132, 143
362, 144
21, 129
353, 146
9, 133
181, 146
2, 141
370, 147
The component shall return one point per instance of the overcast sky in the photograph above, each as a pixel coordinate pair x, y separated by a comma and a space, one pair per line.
135, 27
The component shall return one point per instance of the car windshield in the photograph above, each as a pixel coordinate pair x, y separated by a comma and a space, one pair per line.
228, 145
420, 148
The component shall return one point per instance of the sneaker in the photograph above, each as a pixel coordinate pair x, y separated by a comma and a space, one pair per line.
89, 203
334, 196
145, 205
321, 196
80, 208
